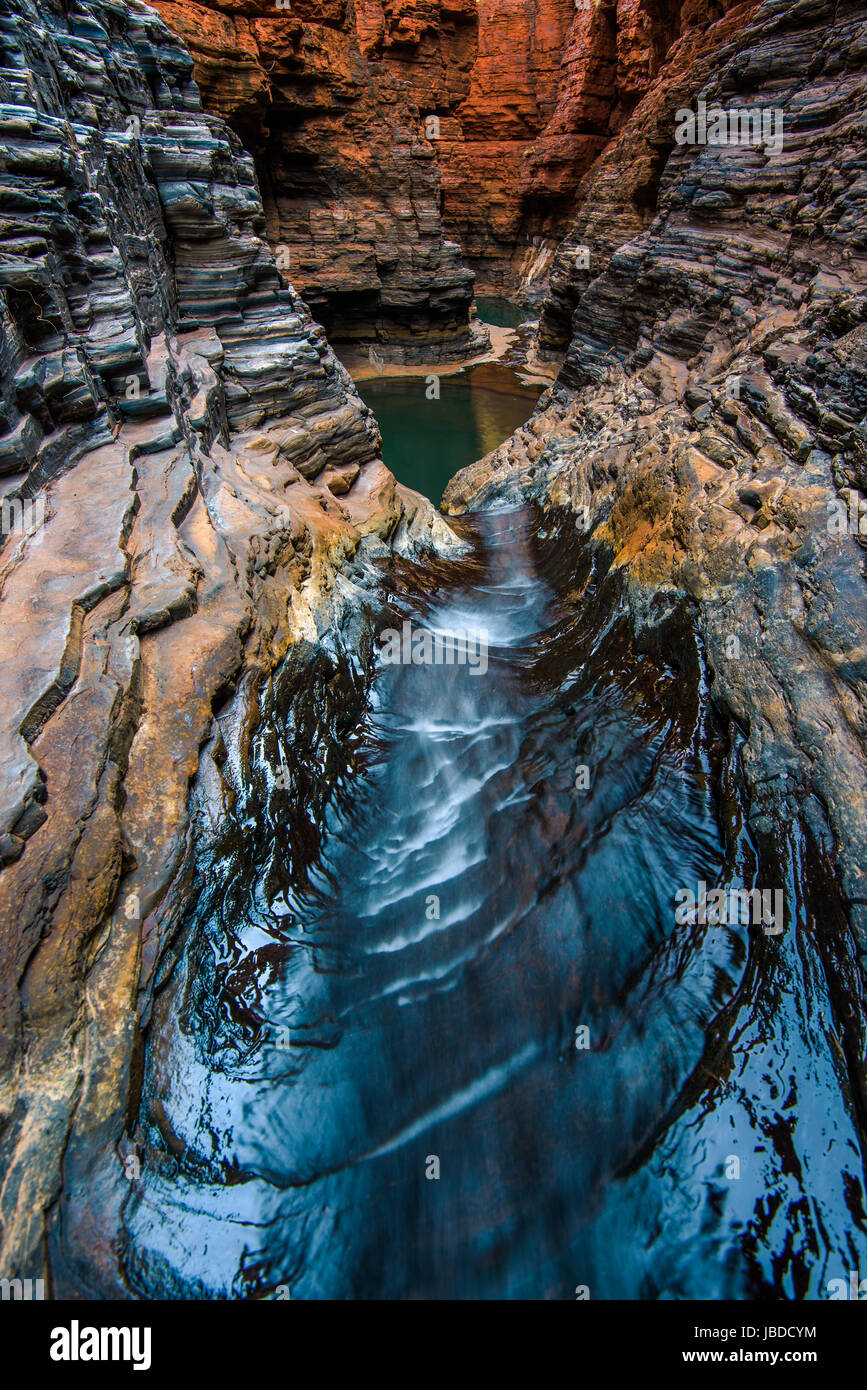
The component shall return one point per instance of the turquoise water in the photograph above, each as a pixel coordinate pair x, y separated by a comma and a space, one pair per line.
502, 313
426, 442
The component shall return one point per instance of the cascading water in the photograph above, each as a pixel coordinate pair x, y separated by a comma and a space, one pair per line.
441, 1034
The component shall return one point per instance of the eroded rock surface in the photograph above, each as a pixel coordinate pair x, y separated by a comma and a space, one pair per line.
214, 499
401, 147
707, 428
192, 492
552, 84
342, 108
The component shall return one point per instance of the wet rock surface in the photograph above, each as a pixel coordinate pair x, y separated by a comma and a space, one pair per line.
707, 430
192, 490
234, 1032
436, 1031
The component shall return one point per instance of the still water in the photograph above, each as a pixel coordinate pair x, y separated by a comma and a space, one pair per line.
502, 313
425, 442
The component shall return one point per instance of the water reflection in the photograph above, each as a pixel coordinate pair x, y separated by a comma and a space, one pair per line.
428, 438
380, 1086
501, 313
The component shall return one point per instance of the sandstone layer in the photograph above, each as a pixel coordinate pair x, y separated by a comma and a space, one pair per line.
552, 83
616, 200
402, 147
193, 494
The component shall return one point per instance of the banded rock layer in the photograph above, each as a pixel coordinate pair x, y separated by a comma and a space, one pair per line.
335, 103
192, 493
708, 427
553, 83
378, 211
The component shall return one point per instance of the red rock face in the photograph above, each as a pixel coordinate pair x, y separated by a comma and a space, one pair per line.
367, 196
554, 80
617, 199
333, 106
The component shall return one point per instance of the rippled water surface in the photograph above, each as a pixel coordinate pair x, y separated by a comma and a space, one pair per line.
375, 1089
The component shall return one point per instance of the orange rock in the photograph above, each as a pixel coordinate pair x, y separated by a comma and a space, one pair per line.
334, 110
333, 102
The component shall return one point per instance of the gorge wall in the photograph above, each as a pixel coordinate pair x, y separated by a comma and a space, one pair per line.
707, 430
398, 145
197, 492
192, 495
552, 83
333, 102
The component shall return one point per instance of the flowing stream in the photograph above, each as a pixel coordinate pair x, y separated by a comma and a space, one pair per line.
434, 1031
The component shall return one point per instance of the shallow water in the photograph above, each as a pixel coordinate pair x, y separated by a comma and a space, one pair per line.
378, 1087
426, 440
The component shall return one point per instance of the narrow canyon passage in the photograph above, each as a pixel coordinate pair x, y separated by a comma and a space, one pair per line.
337, 340
470, 1053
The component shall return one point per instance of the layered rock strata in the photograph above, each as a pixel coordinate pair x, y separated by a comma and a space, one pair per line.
708, 432
616, 200
342, 107
192, 493
552, 82
399, 145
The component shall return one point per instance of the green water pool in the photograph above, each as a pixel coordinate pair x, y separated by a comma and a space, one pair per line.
502, 313
425, 442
